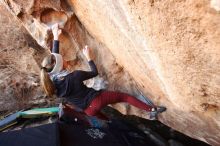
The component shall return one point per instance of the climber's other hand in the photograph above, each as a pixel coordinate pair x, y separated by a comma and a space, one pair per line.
88, 53
56, 31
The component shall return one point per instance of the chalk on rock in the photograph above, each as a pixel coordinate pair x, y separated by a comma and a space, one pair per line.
215, 4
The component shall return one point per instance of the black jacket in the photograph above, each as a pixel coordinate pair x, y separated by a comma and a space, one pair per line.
72, 87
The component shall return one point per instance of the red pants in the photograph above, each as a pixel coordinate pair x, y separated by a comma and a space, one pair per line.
109, 97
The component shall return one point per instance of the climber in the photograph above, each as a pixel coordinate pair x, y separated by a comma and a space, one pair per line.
57, 80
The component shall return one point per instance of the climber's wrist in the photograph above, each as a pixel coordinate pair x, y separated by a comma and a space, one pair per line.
55, 37
88, 59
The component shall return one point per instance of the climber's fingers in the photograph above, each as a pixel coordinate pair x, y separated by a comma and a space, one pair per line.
56, 30
87, 52
55, 27
59, 31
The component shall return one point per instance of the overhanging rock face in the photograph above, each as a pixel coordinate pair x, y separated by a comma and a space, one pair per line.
171, 49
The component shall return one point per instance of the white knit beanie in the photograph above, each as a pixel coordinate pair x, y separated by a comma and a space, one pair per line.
59, 63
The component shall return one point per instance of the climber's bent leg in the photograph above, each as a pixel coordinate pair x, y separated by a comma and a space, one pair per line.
109, 97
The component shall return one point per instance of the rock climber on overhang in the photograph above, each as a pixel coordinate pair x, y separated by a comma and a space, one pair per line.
56, 79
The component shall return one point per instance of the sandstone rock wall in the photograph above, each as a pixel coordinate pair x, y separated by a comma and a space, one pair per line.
19, 80
167, 49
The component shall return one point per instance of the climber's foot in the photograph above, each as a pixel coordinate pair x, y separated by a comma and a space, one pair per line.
161, 109
155, 111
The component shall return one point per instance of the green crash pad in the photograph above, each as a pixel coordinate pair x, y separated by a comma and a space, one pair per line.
39, 112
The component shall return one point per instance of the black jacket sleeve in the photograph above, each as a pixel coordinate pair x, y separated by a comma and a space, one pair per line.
55, 48
85, 75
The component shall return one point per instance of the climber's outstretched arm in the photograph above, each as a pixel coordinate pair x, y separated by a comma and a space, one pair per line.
85, 75
56, 32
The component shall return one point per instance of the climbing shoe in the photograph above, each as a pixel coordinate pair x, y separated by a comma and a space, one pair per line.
155, 111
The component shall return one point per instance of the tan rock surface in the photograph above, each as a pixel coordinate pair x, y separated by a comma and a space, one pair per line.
19, 80
171, 49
